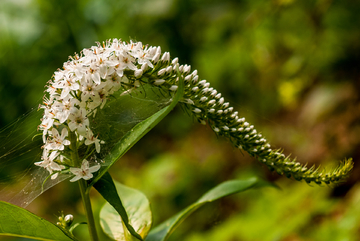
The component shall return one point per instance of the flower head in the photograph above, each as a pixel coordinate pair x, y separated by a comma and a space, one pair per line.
84, 85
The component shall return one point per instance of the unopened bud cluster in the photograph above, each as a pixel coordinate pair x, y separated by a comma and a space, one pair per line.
208, 106
87, 81
65, 221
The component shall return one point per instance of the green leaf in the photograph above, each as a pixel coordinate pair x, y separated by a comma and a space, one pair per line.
16, 221
136, 133
162, 232
106, 187
138, 208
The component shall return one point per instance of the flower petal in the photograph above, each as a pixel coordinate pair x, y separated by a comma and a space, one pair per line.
74, 179
94, 168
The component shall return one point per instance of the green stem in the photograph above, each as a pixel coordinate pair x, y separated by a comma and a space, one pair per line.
83, 189
89, 214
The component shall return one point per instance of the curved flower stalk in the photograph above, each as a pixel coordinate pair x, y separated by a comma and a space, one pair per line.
88, 80
208, 106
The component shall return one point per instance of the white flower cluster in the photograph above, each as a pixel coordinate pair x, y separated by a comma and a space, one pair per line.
84, 85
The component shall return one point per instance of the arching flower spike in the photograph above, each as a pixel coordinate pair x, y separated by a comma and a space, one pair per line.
87, 80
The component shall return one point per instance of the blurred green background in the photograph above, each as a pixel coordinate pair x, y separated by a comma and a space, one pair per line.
292, 68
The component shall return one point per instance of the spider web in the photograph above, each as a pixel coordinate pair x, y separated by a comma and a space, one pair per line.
21, 181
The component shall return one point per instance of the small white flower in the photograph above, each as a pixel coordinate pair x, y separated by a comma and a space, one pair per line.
49, 164
93, 73
78, 121
67, 84
64, 108
58, 142
142, 56
127, 61
84, 172
51, 90
101, 97
113, 82
46, 158
90, 139
46, 124
88, 88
